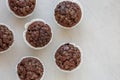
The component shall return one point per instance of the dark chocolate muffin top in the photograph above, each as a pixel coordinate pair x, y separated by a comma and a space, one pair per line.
6, 38
67, 13
38, 34
22, 7
30, 69
67, 57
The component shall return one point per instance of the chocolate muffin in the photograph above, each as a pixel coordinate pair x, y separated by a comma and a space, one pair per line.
30, 69
68, 14
67, 57
6, 38
38, 34
22, 7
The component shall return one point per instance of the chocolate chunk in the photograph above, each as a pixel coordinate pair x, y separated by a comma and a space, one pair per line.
67, 57
22, 7
67, 13
38, 34
30, 69
6, 38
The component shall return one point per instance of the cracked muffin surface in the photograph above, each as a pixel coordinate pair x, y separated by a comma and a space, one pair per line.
22, 7
30, 69
67, 13
67, 57
6, 38
38, 34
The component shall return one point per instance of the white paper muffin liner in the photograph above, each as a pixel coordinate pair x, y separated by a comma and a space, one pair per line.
24, 34
81, 7
37, 59
18, 15
10, 47
75, 69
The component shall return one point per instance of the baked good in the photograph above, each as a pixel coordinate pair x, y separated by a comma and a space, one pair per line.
67, 14
68, 57
38, 34
22, 7
30, 69
6, 37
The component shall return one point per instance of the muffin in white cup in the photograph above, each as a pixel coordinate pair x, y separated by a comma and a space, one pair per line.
21, 8
68, 57
6, 38
68, 13
37, 34
30, 68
